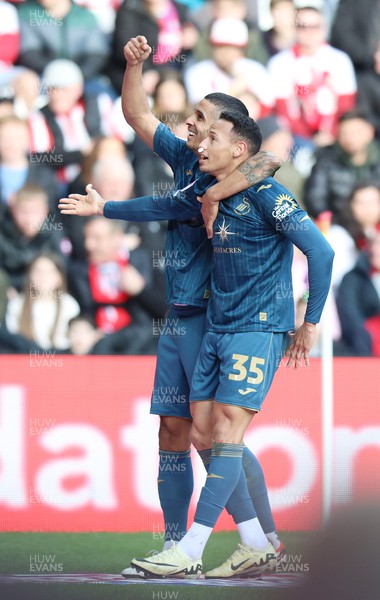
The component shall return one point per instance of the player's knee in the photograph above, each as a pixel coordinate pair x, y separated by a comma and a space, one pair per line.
199, 439
174, 434
224, 433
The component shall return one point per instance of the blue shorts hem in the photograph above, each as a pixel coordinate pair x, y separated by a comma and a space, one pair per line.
231, 403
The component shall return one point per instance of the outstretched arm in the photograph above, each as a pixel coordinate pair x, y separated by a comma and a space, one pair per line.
254, 169
170, 206
134, 101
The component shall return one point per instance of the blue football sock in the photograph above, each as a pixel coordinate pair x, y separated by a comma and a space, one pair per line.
258, 490
239, 505
206, 457
225, 476
175, 486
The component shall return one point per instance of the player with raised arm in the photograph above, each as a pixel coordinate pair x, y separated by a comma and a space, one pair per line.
248, 332
187, 292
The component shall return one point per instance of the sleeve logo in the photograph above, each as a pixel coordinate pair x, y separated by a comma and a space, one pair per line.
284, 206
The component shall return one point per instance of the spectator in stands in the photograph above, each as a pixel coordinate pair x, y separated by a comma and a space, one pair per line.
165, 25
356, 30
363, 217
42, 312
279, 140
111, 289
109, 170
62, 132
354, 157
104, 148
229, 70
85, 338
104, 11
359, 303
27, 230
18, 168
114, 179
314, 83
229, 9
83, 335
170, 96
15, 81
281, 36
54, 29
360, 225
252, 103
9, 38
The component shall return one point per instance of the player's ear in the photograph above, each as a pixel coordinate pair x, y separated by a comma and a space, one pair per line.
239, 149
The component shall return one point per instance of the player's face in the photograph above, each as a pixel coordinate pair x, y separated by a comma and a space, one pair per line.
199, 122
216, 151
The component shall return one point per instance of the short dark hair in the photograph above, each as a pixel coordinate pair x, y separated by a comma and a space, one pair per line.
356, 113
87, 318
313, 8
363, 185
245, 128
225, 102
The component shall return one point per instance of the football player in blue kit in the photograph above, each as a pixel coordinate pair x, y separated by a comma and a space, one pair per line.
248, 325
188, 288
247, 334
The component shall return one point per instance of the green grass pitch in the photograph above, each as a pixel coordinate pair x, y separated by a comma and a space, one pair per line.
110, 553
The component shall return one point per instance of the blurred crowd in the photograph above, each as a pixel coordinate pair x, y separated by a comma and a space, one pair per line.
308, 71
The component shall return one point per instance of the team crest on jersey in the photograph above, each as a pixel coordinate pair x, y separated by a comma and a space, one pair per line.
284, 206
243, 208
188, 172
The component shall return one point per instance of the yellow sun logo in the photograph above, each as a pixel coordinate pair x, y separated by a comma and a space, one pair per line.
286, 198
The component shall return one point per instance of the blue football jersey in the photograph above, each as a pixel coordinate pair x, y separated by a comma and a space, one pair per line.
253, 251
188, 251
254, 233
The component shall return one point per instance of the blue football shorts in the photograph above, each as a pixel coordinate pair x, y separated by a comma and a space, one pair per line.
178, 349
237, 368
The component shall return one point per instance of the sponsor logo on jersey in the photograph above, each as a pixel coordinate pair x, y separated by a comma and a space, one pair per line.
224, 232
228, 250
243, 208
284, 206
246, 391
264, 187
263, 316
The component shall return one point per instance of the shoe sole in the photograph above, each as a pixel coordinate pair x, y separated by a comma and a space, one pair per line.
180, 575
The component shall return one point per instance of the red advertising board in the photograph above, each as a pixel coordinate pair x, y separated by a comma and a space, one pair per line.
78, 448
